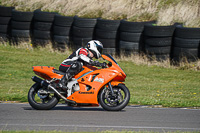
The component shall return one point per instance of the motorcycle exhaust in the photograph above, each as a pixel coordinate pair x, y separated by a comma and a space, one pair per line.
44, 83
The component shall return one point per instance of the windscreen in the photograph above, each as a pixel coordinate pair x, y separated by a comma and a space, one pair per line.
111, 58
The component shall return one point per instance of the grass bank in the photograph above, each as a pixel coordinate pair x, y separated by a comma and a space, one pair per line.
149, 84
164, 11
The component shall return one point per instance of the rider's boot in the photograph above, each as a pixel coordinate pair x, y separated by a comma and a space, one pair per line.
64, 80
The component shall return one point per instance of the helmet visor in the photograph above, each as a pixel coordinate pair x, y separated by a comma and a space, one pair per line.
100, 49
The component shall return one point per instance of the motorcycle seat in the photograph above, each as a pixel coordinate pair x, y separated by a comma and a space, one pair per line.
58, 72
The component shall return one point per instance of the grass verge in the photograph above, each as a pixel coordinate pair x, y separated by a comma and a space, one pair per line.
149, 83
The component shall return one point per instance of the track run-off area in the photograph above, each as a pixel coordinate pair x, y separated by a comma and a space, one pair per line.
18, 116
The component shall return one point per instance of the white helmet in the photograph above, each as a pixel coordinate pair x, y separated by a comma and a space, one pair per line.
96, 47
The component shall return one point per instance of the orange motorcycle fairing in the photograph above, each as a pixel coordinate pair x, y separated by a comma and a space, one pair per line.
91, 84
46, 72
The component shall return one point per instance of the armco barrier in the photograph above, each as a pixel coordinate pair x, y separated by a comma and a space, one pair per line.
41, 27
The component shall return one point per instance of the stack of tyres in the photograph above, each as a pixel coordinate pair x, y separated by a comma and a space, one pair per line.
186, 44
42, 26
107, 32
62, 31
158, 41
21, 26
5, 19
131, 37
83, 31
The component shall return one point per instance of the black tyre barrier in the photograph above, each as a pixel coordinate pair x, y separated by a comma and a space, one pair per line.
189, 53
82, 32
128, 48
4, 32
111, 51
64, 21
20, 25
129, 45
84, 22
108, 43
43, 26
15, 24
108, 25
43, 22
158, 50
6, 11
40, 42
186, 43
4, 29
159, 57
133, 27
130, 37
61, 31
59, 46
159, 31
17, 40
105, 34
187, 33
80, 42
158, 42
38, 34
3, 37
20, 33
42, 16
22, 16
61, 39
5, 20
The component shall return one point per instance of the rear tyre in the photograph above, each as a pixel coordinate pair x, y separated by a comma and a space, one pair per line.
118, 101
41, 102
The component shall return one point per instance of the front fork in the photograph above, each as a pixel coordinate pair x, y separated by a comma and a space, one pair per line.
110, 88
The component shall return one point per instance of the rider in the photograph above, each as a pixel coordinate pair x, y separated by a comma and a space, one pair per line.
83, 56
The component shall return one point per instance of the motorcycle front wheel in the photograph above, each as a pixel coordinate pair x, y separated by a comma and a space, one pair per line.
41, 102
115, 102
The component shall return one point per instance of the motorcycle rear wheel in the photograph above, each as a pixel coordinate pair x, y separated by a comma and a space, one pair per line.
117, 102
45, 102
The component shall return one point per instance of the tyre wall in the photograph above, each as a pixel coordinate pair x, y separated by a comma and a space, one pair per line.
118, 37
107, 32
42, 27
131, 37
186, 44
21, 23
158, 41
82, 31
62, 31
5, 20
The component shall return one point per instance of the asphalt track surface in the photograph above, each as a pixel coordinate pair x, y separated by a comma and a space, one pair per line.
64, 118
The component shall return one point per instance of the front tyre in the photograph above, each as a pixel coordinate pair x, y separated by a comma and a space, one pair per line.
118, 101
41, 102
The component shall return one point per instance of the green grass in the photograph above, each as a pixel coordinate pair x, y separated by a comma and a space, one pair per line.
149, 85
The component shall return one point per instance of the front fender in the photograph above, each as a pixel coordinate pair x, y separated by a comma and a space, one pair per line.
116, 83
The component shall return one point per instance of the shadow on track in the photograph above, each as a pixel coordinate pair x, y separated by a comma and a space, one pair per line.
65, 107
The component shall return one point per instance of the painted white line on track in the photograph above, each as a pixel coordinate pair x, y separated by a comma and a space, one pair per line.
130, 106
100, 126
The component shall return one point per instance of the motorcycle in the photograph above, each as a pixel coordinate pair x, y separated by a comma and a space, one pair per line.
91, 87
